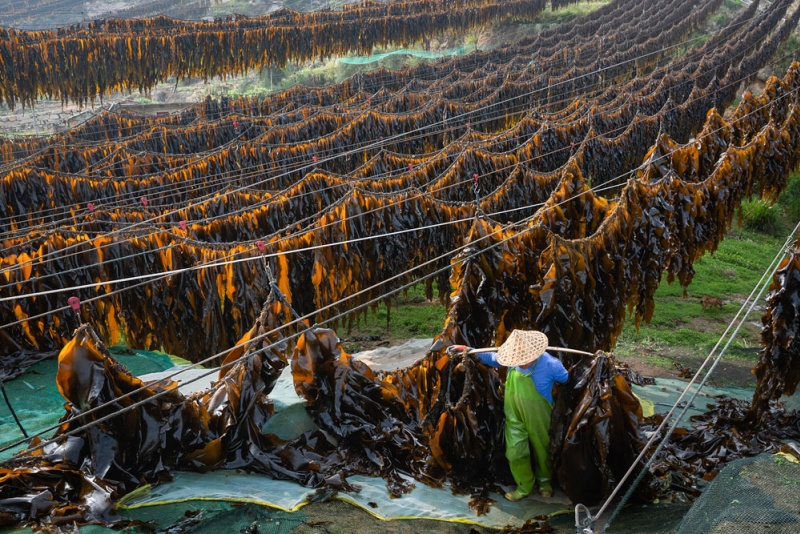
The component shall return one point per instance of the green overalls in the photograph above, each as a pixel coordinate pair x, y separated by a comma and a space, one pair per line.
527, 420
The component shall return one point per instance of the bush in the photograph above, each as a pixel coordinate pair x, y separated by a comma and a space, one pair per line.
786, 53
790, 198
759, 215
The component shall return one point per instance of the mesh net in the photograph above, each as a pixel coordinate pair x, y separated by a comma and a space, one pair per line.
760, 494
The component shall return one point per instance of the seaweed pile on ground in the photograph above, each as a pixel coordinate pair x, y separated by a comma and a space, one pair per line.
725, 432
119, 432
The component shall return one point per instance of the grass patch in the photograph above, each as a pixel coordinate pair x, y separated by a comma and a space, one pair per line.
789, 200
411, 316
759, 215
657, 361
569, 12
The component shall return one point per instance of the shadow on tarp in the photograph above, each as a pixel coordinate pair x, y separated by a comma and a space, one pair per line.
37, 402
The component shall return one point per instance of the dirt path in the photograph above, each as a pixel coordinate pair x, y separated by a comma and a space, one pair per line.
657, 361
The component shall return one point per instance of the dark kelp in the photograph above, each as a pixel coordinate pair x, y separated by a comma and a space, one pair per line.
778, 368
423, 420
596, 430
77, 477
437, 419
521, 159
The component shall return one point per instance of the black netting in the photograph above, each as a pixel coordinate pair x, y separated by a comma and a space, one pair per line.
760, 494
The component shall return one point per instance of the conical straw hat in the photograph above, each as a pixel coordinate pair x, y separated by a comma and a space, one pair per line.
521, 348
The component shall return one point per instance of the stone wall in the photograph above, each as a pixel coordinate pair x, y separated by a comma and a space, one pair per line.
44, 119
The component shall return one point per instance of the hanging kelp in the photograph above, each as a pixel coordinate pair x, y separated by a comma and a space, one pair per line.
516, 95
572, 269
596, 431
778, 368
436, 419
85, 62
662, 223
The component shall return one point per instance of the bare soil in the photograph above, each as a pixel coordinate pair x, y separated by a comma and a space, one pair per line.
681, 363
336, 517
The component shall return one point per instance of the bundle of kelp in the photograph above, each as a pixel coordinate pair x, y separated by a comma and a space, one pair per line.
778, 369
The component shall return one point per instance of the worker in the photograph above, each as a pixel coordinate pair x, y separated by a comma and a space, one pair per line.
528, 404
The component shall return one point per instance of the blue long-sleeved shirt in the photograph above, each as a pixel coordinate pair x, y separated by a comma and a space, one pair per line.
546, 371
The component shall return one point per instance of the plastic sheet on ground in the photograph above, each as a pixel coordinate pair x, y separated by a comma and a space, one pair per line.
291, 420
422, 54
389, 358
422, 502
667, 390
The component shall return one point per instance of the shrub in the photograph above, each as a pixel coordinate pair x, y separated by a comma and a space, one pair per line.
790, 198
759, 215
